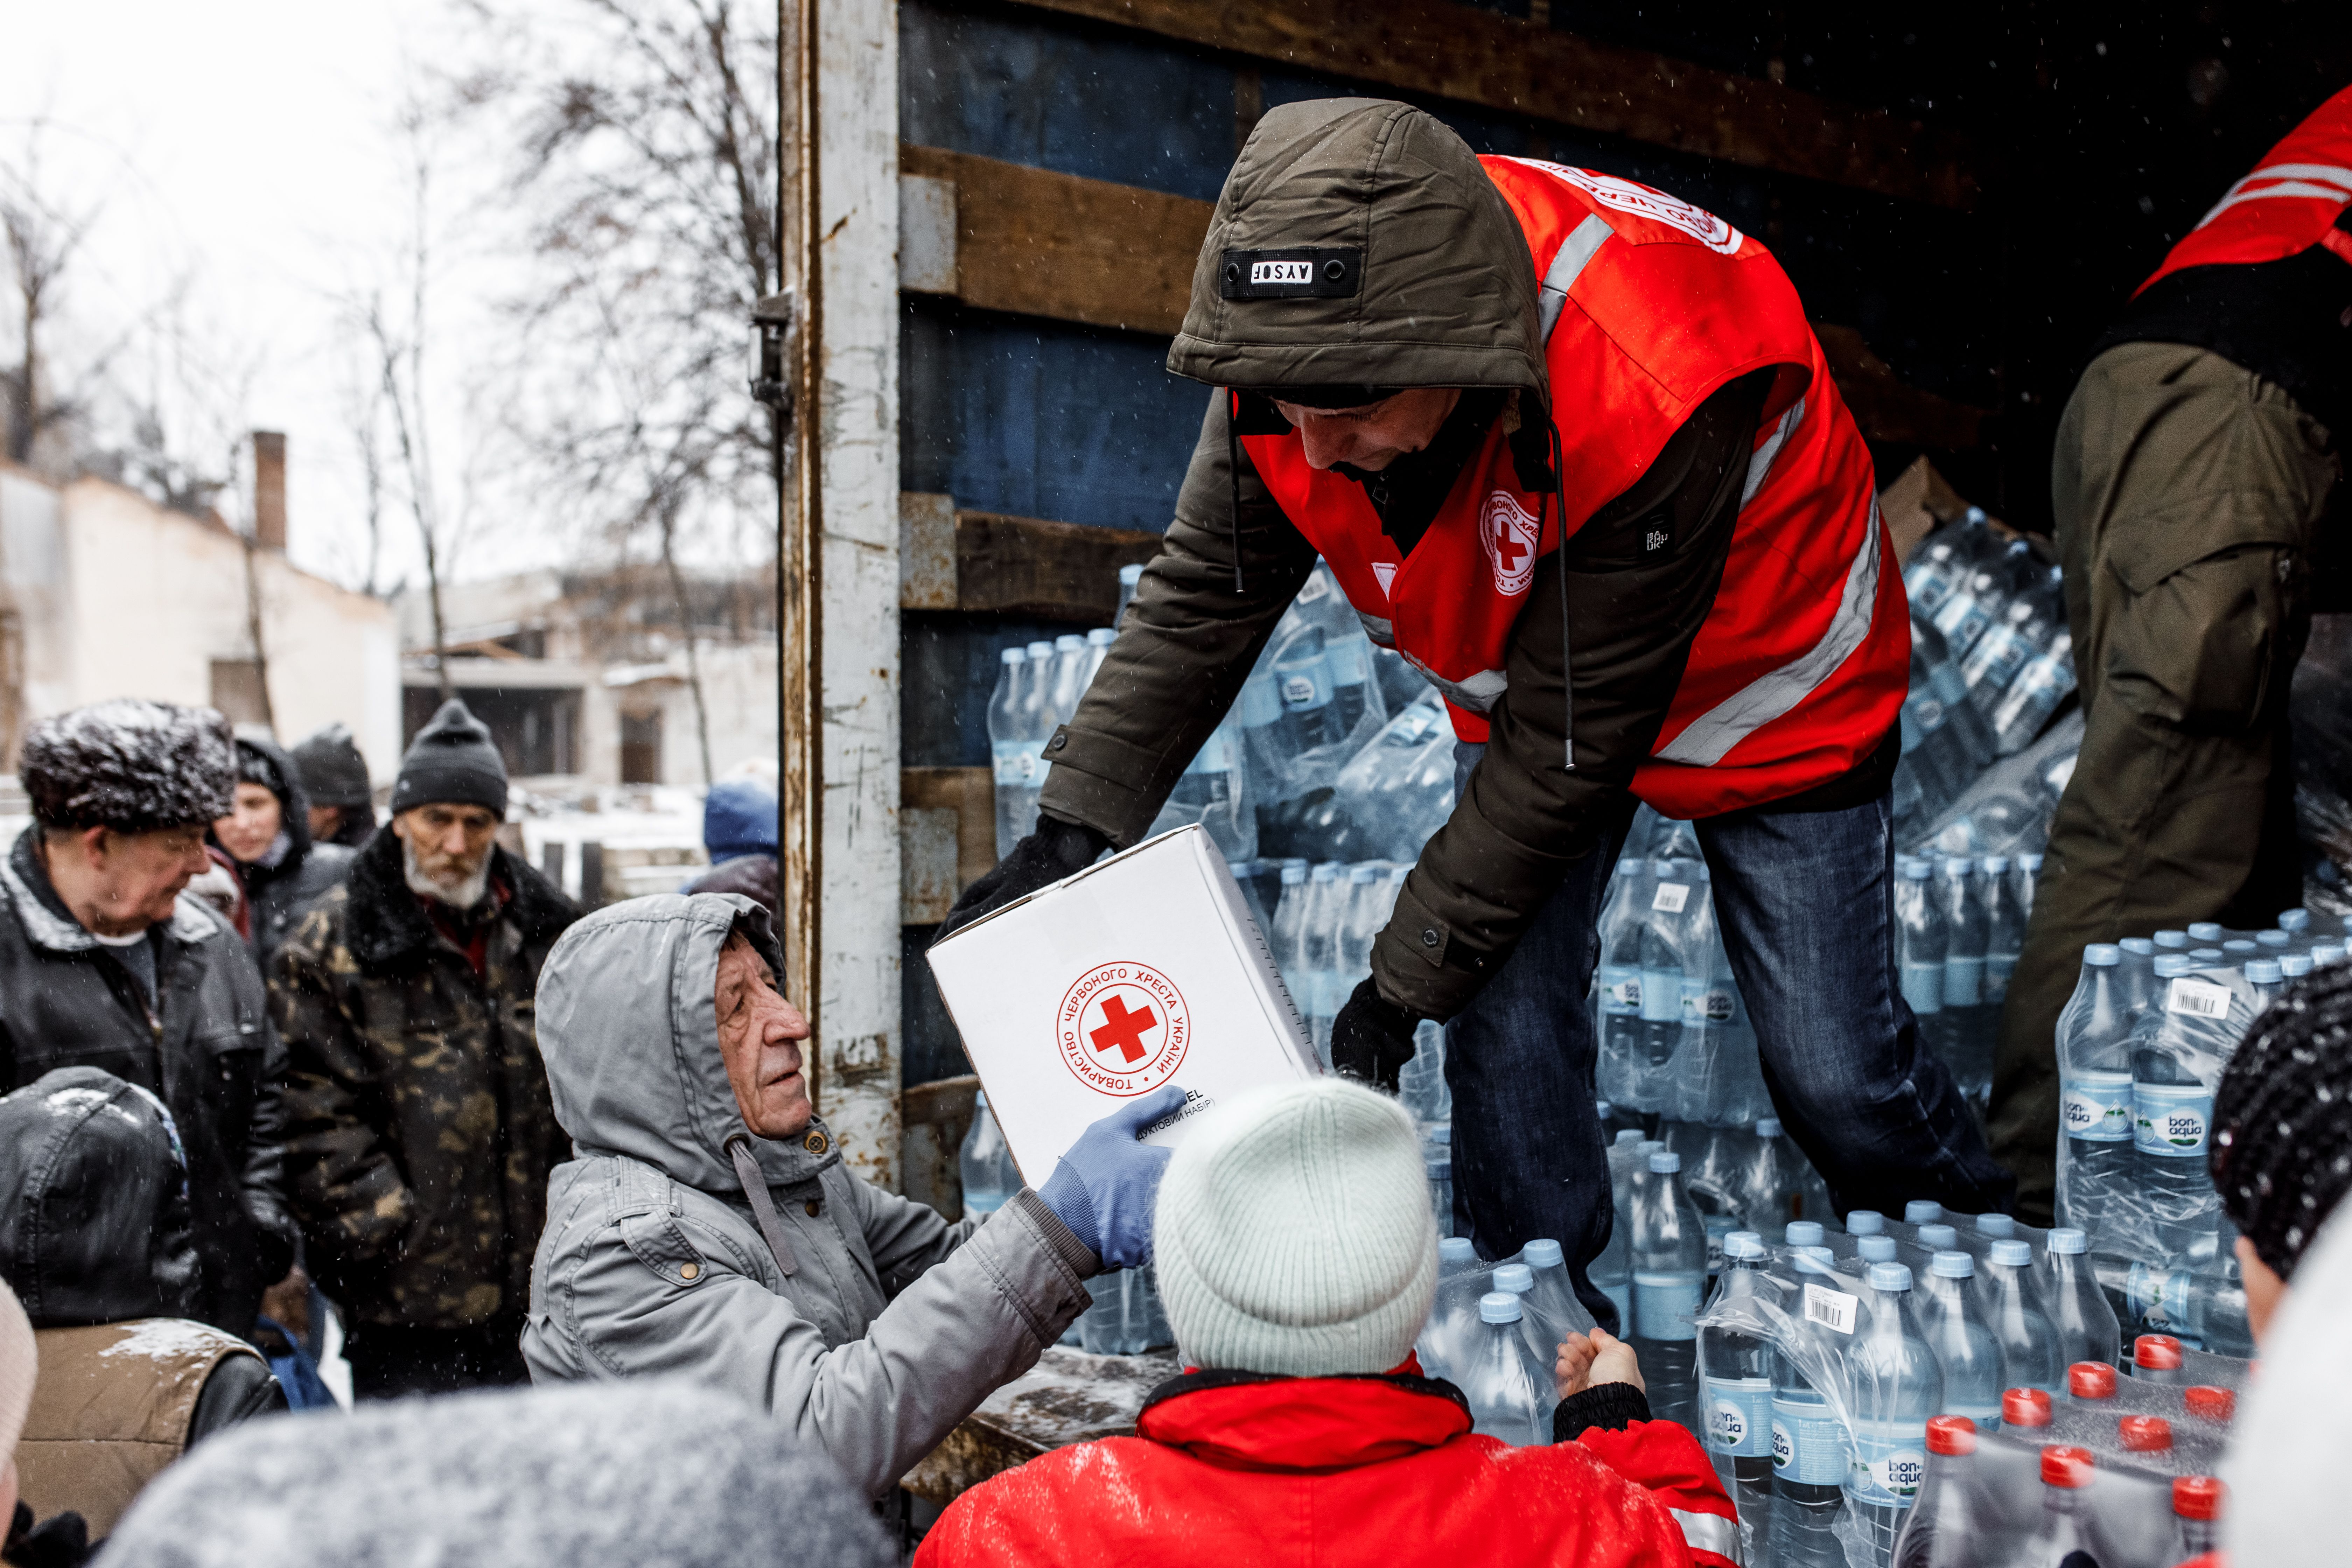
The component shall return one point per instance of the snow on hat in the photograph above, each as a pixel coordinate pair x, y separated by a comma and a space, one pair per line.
452, 760
333, 770
649, 1471
1293, 1234
128, 764
2282, 1149
18, 1363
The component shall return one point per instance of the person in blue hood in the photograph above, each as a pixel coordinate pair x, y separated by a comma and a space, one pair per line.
739, 830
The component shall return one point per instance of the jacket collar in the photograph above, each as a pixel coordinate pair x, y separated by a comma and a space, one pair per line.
384, 922
1255, 1421
47, 922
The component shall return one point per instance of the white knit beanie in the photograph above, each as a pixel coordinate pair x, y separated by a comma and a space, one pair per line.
18, 1367
1293, 1234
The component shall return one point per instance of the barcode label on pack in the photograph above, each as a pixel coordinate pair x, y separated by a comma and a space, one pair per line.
2198, 998
1670, 898
1830, 1308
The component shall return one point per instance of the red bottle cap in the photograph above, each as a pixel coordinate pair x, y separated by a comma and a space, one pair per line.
2065, 1466
2145, 1434
2024, 1407
2197, 1497
1951, 1435
2156, 1352
2212, 1404
2090, 1380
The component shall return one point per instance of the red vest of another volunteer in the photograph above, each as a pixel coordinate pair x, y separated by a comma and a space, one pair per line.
2294, 200
1799, 668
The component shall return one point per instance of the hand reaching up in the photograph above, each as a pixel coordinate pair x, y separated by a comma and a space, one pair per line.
1598, 1357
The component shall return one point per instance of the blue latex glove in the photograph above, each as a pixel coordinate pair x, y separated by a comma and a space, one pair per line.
1104, 1188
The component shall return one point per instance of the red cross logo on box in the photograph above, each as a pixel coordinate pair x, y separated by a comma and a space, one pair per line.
1122, 1030
1509, 531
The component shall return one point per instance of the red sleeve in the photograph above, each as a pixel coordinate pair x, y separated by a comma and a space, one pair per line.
1665, 1458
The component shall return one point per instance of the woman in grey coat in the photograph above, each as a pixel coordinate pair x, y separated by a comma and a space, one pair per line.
708, 1230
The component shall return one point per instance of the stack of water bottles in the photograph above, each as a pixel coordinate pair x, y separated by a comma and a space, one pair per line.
1495, 1332
1959, 924
1037, 689
1125, 1317
1902, 1382
2141, 1046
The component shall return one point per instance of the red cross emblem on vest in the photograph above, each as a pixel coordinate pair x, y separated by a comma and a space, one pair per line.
1510, 533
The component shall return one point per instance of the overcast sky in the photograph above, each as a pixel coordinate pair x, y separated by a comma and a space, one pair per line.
248, 146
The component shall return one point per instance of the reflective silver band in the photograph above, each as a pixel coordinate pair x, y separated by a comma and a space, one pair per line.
1709, 1532
1761, 463
1574, 253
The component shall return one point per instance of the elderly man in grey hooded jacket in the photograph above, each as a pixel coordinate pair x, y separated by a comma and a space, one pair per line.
708, 1230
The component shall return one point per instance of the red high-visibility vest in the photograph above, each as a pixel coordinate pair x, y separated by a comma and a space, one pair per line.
1649, 306
2289, 204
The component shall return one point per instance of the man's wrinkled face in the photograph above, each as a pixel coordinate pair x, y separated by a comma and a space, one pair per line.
450, 847
119, 883
759, 1036
251, 824
1378, 434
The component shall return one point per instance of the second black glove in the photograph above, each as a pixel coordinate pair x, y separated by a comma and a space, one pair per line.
1057, 849
1372, 1039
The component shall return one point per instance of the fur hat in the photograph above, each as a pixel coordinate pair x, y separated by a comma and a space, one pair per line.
130, 764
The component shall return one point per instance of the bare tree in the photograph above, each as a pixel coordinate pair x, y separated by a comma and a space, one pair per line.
42, 236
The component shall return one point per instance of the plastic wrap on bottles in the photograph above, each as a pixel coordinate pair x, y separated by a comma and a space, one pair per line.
2006, 809
1315, 701
1214, 791
1399, 790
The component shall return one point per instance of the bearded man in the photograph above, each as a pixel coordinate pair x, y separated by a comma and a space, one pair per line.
420, 1130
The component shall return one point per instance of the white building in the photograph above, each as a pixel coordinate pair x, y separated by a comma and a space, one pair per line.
104, 594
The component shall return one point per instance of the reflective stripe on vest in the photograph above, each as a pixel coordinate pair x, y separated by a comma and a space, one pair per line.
1575, 254
1707, 738
2291, 202
1709, 1532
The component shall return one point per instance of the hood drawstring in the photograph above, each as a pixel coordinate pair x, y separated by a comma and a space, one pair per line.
1543, 505
763, 1207
1234, 475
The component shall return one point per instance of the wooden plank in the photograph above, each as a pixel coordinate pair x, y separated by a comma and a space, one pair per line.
1039, 243
1053, 571
1067, 1397
1452, 51
934, 1117
927, 864
970, 794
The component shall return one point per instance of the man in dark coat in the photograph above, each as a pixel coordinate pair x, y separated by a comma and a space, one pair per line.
334, 776
420, 1130
103, 963
267, 836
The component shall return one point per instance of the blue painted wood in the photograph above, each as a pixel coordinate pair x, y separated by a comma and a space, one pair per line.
948, 666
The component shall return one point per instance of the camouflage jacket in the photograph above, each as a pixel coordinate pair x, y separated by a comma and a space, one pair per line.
419, 1128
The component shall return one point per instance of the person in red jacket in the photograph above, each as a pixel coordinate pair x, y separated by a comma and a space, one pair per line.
1297, 1260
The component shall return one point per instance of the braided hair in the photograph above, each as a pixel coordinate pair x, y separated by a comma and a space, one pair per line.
2281, 1149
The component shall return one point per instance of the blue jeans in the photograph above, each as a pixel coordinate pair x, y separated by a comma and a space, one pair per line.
1806, 904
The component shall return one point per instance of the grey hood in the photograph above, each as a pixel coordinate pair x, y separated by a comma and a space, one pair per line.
1445, 294
628, 1027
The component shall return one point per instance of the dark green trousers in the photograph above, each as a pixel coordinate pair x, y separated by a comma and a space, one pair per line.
2188, 493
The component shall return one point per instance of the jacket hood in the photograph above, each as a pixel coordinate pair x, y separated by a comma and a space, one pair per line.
628, 1027
283, 779
738, 817
93, 1202
1437, 286
1255, 1421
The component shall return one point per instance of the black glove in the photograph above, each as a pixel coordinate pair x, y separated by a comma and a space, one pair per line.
60, 1540
1057, 849
1371, 1039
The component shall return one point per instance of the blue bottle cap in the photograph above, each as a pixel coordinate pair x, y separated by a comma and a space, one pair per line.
1767, 1127
1439, 1163
1864, 1222
1293, 875
1041, 650
1804, 1233
2327, 953
1456, 1249
1516, 1277
2013, 1253
1130, 574
2170, 965
1922, 1211
1361, 876
1875, 1249
1952, 1266
2273, 938
1442, 1137
1628, 1135
2102, 955
1648, 1146
2295, 920
1665, 1162
2067, 1240
2139, 946
2294, 965
1015, 656
2206, 954
2264, 971
1824, 1253
1101, 636
1743, 1246
1915, 871
1498, 1307
1603, 1109
2029, 863
2241, 947
1996, 864
2171, 938
1542, 1253
1889, 1276
2205, 931
1958, 866
1938, 1237
1996, 1226
1068, 642
1326, 871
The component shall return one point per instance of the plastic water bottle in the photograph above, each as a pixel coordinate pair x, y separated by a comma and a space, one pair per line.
1212, 792
1669, 1281
1676, 884
2020, 1326
1017, 747
1968, 1027
2094, 1107
1069, 676
1923, 939
2177, 1057
1354, 694
1618, 982
1267, 745
1550, 1300
985, 1160
1098, 643
1129, 577
2068, 1525
2080, 1314
2028, 883
2004, 931
1438, 1165
2025, 625
2204, 1306
1303, 677
1897, 1385
1612, 1273
1965, 1348
1319, 952
1809, 1452
2196, 1516
1771, 1179
1510, 1396
1737, 1395
2022, 711
1943, 1531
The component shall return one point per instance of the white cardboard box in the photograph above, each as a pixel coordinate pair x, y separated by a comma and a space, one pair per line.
1142, 970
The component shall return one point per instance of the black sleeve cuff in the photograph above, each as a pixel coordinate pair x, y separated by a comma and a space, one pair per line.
1610, 1405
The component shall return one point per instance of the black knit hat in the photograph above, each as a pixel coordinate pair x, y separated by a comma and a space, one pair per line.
452, 760
2282, 1151
333, 772
130, 764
